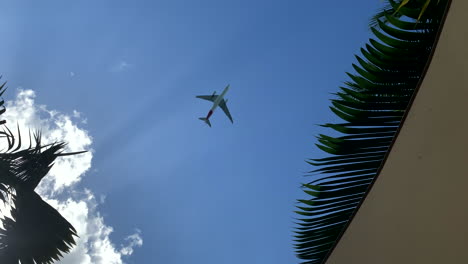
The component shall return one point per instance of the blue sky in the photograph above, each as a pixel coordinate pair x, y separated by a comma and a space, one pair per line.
224, 194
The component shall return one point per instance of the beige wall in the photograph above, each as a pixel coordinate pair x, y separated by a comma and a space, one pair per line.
417, 211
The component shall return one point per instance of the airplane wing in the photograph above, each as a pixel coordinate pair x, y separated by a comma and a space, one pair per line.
211, 98
223, 106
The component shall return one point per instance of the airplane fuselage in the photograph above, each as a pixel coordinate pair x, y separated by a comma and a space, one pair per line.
217, 101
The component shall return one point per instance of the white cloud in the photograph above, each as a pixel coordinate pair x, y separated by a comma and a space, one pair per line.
80, 209
77, 115
94, 245
134, 240
102, 198
121, 66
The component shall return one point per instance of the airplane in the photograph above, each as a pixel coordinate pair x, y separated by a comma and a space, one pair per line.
218, 100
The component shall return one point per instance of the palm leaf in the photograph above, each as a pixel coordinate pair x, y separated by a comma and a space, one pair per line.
37, 231
372, 105
422, 9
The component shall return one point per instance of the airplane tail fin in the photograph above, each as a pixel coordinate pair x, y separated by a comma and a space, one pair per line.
207, 121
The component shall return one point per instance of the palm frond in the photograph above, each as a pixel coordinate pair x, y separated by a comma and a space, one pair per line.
2, 102
396, 9
381, 15
422, 5
36, 233
25, 168
372, 105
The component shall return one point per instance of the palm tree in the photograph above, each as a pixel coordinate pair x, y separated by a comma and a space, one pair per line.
36, 232
372, 106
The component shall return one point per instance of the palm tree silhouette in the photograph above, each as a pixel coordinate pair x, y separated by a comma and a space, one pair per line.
35, 232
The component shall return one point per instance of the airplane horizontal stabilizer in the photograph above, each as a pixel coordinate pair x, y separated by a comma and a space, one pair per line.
207, 121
